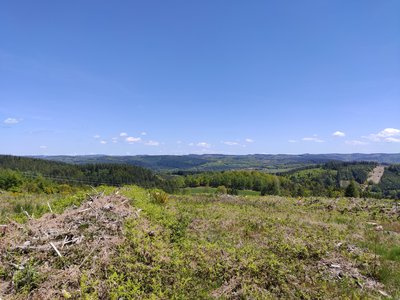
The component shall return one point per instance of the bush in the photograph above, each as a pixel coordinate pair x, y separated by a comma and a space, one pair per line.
222, 190
159, 196
352, 190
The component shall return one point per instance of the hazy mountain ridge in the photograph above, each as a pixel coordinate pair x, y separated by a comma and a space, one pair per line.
213, 162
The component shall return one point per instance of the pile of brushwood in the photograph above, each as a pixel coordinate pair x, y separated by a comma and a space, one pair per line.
48, 257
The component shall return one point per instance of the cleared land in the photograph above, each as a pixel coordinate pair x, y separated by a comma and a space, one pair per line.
203, 247
376, 174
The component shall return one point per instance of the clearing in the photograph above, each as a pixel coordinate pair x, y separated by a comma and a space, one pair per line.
126, 245
376, 174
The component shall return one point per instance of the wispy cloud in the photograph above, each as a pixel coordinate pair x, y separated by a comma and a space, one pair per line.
203, 145
356, 143
11, 121
314, 139
339, 134
123, 134
248, 140
389, 135
97, 136
43, 147
103, 142
152, 143
231, 143
131, 139
143, 133
292, 141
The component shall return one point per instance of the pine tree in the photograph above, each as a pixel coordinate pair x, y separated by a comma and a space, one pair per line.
352, 190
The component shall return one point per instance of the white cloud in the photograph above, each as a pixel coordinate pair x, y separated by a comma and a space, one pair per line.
131, 139
123, 134
339, 134
203, 145
143, 133
249, 140
43, 147
292, 141
389, 135
103, 142
231, 143
312, 139
152, 143
97, 136
11, 121
356, 143
392, 140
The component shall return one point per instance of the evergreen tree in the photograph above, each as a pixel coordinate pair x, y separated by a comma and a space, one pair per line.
352, 190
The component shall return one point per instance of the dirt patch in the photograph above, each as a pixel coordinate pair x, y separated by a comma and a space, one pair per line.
338, 268
52, 253
376, 174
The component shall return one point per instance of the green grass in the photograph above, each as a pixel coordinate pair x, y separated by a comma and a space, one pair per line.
13, 205
213, 191
205, 246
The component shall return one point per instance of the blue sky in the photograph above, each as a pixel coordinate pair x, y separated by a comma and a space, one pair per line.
178, 77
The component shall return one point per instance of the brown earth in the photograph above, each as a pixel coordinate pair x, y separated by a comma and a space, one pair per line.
61, 248
376, 174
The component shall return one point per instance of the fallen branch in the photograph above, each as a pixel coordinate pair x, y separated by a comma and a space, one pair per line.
55, 249
48, 204
90, 253
16, 266
26, 213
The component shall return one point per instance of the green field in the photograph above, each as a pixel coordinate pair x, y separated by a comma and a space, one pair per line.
211, 190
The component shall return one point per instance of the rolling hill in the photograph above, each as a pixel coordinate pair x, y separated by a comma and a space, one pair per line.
219, 162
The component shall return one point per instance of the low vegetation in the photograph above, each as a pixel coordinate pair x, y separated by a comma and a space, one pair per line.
214, 246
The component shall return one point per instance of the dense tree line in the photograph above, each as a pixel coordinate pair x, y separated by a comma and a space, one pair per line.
236, 180
357, 171
331, 179
390, 183
22, 169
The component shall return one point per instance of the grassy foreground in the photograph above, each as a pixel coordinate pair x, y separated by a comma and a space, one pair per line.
238, 247
202, 247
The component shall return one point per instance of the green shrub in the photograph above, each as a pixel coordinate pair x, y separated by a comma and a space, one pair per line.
159, 196
222, 190
27, 279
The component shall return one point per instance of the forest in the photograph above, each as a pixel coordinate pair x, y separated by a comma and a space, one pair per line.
330, 179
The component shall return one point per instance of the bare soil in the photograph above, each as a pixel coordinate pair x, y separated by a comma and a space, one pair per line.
376, 174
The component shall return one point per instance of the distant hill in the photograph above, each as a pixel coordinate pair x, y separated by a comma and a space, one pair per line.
219, 162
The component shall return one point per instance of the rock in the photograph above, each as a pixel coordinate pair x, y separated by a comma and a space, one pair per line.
108, 207
335, 266
383, 293
338, 245
372, 223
